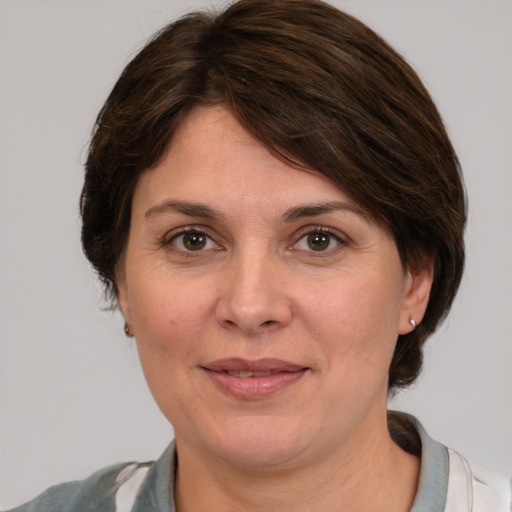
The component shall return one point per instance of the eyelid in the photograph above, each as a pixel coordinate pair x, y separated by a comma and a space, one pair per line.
171, 235
340, 238
320, 228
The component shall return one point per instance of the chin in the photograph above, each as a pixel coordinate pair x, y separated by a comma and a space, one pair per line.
261, 443
259, 454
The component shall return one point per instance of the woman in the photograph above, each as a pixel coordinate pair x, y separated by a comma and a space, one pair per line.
273, 202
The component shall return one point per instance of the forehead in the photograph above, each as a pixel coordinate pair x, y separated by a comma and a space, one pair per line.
213, 158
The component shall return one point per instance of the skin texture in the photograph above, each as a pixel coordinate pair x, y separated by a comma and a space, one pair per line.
258, 286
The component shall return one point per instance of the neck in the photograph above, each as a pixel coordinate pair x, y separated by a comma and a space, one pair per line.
370, 472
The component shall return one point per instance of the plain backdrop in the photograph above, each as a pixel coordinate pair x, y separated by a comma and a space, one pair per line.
72, 396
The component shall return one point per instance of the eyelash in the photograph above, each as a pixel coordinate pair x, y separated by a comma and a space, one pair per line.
200, 231
321, 230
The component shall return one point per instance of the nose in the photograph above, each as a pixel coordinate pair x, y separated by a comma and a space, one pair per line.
253, 296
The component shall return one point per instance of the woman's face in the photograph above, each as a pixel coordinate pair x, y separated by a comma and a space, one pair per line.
265, 303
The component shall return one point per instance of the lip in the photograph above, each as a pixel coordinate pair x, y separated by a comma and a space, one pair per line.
282, 375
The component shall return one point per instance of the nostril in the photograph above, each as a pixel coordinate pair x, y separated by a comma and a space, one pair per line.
252, 312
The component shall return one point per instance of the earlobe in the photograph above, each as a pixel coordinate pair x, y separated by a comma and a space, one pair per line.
416, 296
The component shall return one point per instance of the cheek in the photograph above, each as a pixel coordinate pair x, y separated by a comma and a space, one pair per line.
168, 315
168, 321
358, 323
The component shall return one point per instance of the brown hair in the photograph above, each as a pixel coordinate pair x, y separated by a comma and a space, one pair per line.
308, 81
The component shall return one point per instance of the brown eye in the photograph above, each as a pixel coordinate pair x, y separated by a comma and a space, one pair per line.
194, 241
319, 241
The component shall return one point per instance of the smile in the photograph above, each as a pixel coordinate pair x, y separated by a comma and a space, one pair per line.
244, 374
253, 380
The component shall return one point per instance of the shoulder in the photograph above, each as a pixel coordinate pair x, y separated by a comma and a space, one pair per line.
449, 481
476, 487
141, 487
98, 493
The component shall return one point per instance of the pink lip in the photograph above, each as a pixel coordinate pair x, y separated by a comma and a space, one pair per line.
283, 374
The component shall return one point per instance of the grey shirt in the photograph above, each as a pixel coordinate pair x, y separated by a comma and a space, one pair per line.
99, 492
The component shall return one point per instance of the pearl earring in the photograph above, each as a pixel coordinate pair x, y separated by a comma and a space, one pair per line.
127, 330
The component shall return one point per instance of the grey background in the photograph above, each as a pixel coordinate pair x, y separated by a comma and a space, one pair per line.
72, 397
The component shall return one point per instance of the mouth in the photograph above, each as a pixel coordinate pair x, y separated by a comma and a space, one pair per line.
245, 374
252, 380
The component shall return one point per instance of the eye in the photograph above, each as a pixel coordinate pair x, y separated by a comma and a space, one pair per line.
192, 241
318, 241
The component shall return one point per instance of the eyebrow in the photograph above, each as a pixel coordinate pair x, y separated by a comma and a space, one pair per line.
291, 215
313, 210
186, 208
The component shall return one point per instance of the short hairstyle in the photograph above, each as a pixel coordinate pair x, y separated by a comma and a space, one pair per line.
319, 89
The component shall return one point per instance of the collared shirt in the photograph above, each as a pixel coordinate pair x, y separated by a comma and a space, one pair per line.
448, 483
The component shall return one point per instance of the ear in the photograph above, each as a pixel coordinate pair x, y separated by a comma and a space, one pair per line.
122, 292
416, 295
